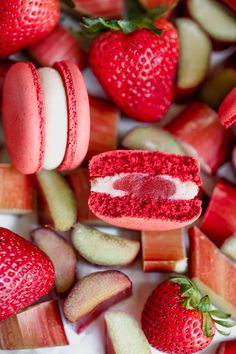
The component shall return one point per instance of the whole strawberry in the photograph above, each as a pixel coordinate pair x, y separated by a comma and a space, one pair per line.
137, 68
24, 22
176, 319
26, 273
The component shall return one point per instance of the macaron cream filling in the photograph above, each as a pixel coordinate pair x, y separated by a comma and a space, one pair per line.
56, 117
142, 185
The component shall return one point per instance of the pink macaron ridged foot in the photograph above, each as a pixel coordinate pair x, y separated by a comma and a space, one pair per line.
144, 190
23, 118
78, 115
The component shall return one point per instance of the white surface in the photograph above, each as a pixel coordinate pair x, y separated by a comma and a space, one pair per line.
91, 341
55, 107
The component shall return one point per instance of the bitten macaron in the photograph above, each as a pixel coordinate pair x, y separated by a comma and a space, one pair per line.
46, 117
144, 190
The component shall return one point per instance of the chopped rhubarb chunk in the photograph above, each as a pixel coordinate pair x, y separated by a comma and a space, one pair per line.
104, 123
228, 347
212, 271
16, 191
79, 182
227, 109
164, 251
219, 221
104, 8
60, 44
38, 326
202, 136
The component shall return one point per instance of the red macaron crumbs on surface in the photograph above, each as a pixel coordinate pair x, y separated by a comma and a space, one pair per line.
147, 191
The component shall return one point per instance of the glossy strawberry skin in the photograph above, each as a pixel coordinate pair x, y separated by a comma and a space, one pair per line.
23, 22
137, 70
26, 273
169, 326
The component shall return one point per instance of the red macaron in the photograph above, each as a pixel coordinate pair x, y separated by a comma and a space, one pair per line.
143, 190
46, 118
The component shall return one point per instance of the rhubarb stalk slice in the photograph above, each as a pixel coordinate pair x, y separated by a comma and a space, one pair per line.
202, 135
104, 249
193, 64
219, 221
58, 45
61, 254
57, 197
229, 247
124, 335
94, 294
38, 326
218, 86
102, 8
214, 18
212, 271
227, 347
152, 139
16, 191
104, 123
164, 251
79, 182
227, 109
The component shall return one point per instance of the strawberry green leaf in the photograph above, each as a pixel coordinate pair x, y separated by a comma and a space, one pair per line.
225, 323
219, 314
207, 325
95, 25
204, 304
223, 332
134, 9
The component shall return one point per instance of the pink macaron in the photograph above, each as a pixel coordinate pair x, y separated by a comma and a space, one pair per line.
46, 118
144, 190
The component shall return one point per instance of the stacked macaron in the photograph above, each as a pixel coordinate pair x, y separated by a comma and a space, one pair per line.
46, 117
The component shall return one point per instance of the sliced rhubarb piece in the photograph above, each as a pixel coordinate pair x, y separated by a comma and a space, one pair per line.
38, 326
214, 18
231, 4
212, 271
219, 221
94, 294
124, 335
152, 139
201, 134
227, 347
144, 190
59, 199
227, 109
96, 8
104, 123
79, 182
104, 249
164, 251
61, 254
60, 44
195, 51
217, 87
16, 191
229, 247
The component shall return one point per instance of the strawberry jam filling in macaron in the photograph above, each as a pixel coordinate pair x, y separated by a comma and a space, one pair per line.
144, 190
46, 117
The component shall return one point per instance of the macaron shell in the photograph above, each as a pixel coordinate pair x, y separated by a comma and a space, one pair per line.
23, 118
146, 224
78, 115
